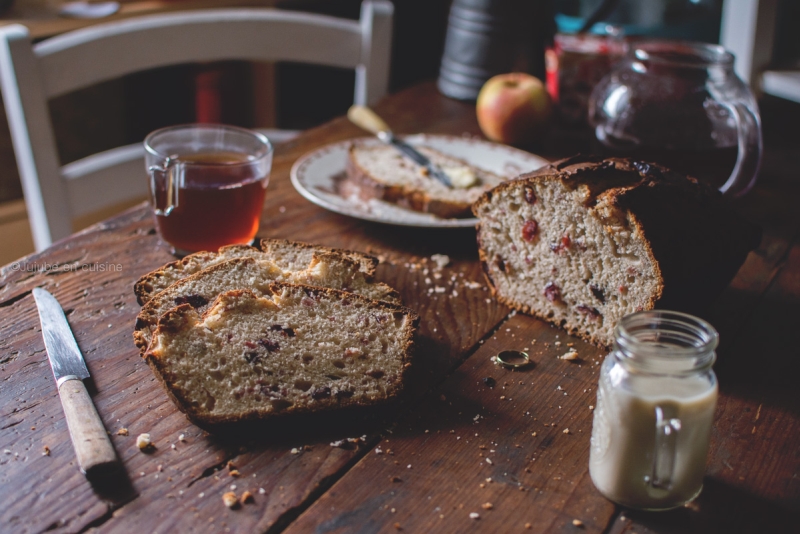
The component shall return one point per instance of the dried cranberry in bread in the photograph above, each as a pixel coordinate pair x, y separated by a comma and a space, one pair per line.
380, 171
287, 255
293, 349
200, 289
585, 241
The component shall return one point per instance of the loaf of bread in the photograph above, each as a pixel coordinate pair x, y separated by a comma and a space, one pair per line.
380, 171
286, 255
289, 349
585, 241
329, 270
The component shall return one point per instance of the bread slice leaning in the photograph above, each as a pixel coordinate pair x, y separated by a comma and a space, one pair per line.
290, 349
200, 289
585, 241
287, 255
380, 171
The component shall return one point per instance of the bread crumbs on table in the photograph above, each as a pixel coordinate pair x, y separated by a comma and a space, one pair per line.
397, 526
577, 522
487, 506
122, 432
247, 497
230, 499
235, 473
145, 443
46, 451
528, 526
474, 515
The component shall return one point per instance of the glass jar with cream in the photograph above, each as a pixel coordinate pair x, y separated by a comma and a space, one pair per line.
655, 406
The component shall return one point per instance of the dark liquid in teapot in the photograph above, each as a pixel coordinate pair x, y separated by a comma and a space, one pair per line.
712, 165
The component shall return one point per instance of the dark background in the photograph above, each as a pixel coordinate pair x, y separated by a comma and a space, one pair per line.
124, 111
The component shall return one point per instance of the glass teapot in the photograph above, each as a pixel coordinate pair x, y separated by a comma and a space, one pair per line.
680, 104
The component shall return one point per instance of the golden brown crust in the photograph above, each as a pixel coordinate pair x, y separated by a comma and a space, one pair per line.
185, 316
148, 285
368, 263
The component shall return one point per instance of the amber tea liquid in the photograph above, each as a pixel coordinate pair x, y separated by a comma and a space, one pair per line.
219, 203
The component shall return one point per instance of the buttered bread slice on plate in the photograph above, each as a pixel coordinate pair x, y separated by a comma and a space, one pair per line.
381, 172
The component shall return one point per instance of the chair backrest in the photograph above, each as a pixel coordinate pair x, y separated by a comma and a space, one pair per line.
32, 74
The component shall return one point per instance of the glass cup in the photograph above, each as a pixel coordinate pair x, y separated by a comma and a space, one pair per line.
680, 104
655, 406
207, 184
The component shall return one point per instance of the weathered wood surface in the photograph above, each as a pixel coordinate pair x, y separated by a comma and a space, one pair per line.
533, 425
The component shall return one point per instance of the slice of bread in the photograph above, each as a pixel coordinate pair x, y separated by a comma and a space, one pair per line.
292, 349
287, 255
380, 171
330, 270
586, 241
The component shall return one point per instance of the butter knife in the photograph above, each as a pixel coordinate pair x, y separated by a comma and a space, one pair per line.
93, 449
365, 118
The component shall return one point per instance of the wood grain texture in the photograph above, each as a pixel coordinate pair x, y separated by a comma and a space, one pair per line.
522, 446
93, 449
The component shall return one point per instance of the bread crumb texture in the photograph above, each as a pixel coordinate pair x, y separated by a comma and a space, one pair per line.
300, 349
586, 241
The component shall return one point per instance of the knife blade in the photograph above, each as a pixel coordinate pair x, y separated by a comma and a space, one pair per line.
367, 119
96, 455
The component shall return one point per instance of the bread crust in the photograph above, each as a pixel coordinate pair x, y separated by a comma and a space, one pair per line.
148, 316
693, 237
184, 316
150, 284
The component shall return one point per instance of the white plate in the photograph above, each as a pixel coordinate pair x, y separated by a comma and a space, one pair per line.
314, 176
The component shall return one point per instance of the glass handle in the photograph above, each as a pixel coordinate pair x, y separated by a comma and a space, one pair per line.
165, 183
667, 430
750, 147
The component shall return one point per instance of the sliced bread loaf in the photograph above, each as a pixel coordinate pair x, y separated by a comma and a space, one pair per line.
198, 290
585, 241
287, 255
380, 171
292, 349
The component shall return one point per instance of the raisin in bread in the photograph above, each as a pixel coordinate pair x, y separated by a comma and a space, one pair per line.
292, 349
380, 171
287, 255
585, 241
198, 290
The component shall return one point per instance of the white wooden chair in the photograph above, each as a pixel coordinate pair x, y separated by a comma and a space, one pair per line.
32, 74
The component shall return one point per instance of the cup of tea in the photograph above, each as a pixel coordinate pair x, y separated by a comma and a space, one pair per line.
207, 184
680, 104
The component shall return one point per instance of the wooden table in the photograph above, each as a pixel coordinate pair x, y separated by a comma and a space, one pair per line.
451, 448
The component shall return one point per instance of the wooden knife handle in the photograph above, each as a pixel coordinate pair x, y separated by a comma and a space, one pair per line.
89, 438
365, 118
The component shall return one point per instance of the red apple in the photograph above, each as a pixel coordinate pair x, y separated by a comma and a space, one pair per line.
513, 108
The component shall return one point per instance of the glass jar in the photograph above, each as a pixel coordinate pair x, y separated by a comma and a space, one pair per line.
655, 405
680, 104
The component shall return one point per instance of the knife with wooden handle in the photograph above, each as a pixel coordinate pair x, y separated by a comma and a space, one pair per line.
92, 446
365, 118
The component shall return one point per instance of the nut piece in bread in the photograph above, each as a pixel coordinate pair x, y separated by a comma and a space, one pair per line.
585, 241
380, 171
286, 255
293, 349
